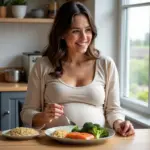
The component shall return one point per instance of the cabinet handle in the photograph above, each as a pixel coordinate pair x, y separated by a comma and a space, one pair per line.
6, 113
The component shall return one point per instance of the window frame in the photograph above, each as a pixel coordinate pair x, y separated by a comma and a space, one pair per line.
137, 106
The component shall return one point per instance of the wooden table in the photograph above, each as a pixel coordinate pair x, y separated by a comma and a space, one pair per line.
140, 141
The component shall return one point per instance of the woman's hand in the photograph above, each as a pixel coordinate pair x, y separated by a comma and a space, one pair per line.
51, 111
124, 128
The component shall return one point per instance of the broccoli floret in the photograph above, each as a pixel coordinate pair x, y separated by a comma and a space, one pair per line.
94, 129
98, 134
104, 133
97, 125
87, 126
75, 129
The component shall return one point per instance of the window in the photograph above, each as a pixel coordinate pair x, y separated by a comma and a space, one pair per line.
135, 55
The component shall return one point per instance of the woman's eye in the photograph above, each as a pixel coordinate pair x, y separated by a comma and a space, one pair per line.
75, 31
88, 30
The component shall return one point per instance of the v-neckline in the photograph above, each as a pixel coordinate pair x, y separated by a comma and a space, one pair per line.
95, 73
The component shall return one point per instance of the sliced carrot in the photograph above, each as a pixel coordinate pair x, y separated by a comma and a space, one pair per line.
78, 135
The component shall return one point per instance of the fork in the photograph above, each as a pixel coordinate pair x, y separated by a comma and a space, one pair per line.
70, 121
40, 128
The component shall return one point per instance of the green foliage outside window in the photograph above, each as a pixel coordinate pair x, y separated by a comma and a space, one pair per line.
139, 69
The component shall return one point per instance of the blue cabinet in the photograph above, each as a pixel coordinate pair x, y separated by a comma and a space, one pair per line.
10, 107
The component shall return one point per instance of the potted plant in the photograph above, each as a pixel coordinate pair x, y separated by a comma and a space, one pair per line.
3, 8
19, 8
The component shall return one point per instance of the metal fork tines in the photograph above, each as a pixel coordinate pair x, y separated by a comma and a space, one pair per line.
70, 121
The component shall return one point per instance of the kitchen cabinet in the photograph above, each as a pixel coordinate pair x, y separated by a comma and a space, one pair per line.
10, 107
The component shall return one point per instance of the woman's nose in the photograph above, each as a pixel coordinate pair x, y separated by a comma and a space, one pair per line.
83, 36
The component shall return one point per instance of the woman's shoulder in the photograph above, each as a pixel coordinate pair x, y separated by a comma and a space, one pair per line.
43, 65
105, 60
43, 61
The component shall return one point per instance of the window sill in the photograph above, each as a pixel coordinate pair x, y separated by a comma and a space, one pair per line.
141, 119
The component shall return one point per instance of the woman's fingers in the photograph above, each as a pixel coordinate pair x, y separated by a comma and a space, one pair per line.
124, 128
54, 105
130, 131
54, 110
127, 128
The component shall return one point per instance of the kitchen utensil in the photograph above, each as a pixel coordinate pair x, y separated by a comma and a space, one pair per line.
70, 121
12, 75
29, 59
40, 128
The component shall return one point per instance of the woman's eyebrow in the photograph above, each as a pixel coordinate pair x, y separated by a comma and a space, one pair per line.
79, 28
75, 28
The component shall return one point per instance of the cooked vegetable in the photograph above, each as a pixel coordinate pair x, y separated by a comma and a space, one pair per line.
94, 129
79, 135
76, 129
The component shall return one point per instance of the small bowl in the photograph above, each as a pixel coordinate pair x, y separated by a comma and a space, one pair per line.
37, 13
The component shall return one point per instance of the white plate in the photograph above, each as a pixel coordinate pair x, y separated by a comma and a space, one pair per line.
49, 131
18, 137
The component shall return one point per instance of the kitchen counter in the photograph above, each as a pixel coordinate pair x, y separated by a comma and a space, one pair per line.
12, 87
140, 141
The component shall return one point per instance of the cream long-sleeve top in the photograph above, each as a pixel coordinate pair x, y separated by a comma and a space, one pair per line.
97, 102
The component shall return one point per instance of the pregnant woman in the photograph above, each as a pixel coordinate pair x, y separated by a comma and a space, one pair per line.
73, 78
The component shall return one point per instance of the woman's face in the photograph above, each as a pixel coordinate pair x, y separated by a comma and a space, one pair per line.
79, 36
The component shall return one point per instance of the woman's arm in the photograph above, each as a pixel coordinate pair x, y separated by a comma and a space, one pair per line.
112, 105
33, 113
32, 104
114, 112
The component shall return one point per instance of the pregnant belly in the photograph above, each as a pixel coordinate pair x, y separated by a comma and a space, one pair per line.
81, 113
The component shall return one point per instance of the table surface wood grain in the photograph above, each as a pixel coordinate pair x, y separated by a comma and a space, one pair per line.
18, 87
139, 141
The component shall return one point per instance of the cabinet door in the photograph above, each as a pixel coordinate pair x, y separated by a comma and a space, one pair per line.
10, 109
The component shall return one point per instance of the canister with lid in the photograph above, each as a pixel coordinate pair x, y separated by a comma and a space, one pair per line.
52, 8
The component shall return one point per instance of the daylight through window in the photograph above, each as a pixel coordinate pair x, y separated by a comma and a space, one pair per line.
135, 55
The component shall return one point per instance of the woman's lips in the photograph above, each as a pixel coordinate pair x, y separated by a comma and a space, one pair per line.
82, 44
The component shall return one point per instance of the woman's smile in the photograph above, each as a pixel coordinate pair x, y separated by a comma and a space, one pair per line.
83, 44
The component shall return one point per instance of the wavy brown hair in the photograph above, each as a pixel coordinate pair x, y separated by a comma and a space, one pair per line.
56, 50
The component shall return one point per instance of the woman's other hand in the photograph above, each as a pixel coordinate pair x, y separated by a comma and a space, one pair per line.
51, 111
124, 128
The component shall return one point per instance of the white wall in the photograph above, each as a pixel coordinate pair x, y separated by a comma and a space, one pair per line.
106, 22
16, 38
